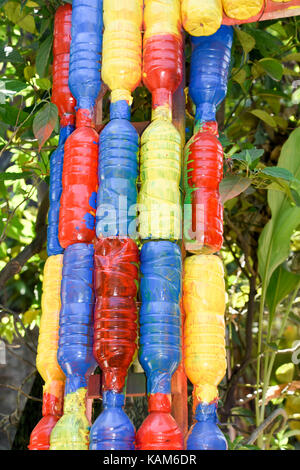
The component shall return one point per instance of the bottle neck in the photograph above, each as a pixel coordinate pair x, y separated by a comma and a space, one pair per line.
112, 399
206, 412
67, 120
206, 126
205, 112
162, 112
64, 133
84, 118
53, 398
121, 95
161, 97
120, 110
159, 402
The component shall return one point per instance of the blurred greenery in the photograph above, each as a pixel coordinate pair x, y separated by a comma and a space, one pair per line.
260, 112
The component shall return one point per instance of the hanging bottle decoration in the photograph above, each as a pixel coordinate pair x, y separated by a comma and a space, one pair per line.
201, 18
46, 361
242, 10
160, 157
75, 351
160, 343
204, 345
203, 155
119, 141
65, 102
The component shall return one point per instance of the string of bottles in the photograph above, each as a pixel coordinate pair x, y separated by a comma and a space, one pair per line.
77, 227
160, 225
203, 280
116, 253
46, 361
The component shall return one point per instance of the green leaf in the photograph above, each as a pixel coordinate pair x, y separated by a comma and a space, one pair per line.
264, 116
232, 186
246, 40
42, 56
14, 176
272, 67
10, 55
19, 16
278, 172
44, 123
274, 241
281, 284
43, 83
250, 156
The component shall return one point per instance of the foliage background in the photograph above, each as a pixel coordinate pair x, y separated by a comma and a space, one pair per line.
262, 218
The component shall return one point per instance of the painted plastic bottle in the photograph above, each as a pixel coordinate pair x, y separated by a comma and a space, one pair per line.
205, 434
242, 10
80, 183
85, 55
201, 18
159, 431
204, 340
47, 365
115, 315
122, 47
160, 341
118, 168
203, 154
55, 190
61, 94
75, 351
112, 430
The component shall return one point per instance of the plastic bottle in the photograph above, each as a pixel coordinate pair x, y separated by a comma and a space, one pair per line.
85, 55
203, 155
80, 183
205, 434
204, 328
159, 431
160, 341
201, 18
118, 168
112, 430
46, 361
162, 50
160, 316
115, 316
160, 165
61, 94
56, 169
242, 10
122, 46
75, 351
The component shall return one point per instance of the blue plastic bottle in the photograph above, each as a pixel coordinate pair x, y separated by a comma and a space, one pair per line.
205, 434
160, 316
75, 347
56, 167
112, 430
118, 166
209, 70
85, 52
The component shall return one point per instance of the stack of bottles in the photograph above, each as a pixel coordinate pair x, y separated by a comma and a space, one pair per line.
160, 225
116, 253
203, 284
77, 227
46, 361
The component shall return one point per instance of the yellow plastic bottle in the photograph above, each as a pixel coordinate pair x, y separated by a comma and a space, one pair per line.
160, 162
201, 18
242, 10
46, 360
122, 47
72, 430
204, 328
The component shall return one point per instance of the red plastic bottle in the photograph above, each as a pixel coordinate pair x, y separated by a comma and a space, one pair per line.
203, 230
159, 431
115, 314
80, 184
61, 95
52, 411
